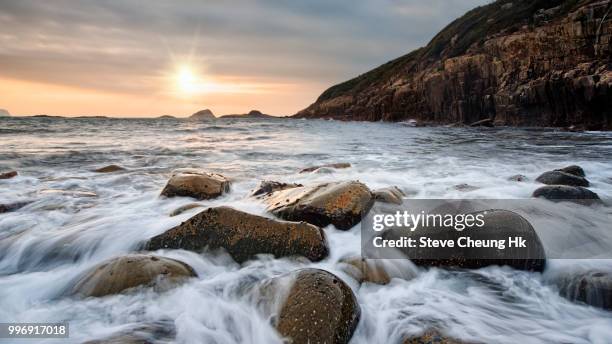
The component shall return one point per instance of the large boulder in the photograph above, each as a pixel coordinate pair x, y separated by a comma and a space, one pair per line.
561, 178
573, 169
574, 194
243, 235
122, 273
338, 165
498, 224
195, 183
593, 288
8, 175
341, 204
320, 308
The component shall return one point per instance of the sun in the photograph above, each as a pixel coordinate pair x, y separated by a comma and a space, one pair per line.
187, 80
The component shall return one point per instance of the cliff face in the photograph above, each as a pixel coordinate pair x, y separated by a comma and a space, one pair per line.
520, 63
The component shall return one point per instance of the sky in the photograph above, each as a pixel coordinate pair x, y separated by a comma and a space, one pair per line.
146, 58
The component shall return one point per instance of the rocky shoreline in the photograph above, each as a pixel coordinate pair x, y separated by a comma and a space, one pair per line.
513, 63
319, 306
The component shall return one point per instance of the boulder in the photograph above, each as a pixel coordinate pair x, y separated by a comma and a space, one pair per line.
196, 183
517, 178
378, 271
336, 166
267, 187
8, 175
573, 169
431, 337
498, 224
184, 208
561, 178
243, 235
593, 288
340, 203
109, 169
391, 194
122, 273
574, 194
320, 308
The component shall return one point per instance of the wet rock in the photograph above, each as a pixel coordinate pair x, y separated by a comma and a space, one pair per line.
109, 169
378, 271
336, 166
593, 288
487, 122
268, 186
320, 308
244, 235
465, 187
5, 208
574, 194
573, 169
184, 208
72, 193
122, 273
341, 204
497, 224
391, 194
432, 337
195, 183
561, 178
518, 178
8, 175
158, 332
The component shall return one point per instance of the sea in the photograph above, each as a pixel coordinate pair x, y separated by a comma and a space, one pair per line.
76, 218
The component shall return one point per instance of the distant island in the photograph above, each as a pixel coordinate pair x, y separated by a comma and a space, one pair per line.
166, 117
202, 115
96, 117
4, 113
251, 114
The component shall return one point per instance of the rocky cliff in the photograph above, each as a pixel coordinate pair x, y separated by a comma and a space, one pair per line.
519, 62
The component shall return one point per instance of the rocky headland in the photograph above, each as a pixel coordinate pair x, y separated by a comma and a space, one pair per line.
542, 63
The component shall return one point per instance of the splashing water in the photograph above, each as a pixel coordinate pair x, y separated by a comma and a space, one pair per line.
50, 242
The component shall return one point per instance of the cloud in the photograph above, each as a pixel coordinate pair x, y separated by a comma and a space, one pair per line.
128, 45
